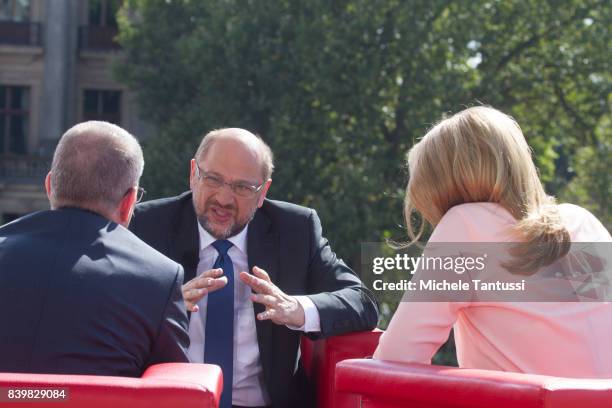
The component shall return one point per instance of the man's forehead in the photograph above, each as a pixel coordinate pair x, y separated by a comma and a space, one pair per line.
228, 155
236, 132
231, 146
240, 137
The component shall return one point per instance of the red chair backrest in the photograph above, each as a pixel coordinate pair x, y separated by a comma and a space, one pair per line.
320, 357
163, 385
393, 385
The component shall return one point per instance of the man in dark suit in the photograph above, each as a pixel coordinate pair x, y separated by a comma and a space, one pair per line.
258, 272
79, 293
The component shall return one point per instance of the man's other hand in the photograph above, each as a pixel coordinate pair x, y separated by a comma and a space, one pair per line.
280, 307
198, 287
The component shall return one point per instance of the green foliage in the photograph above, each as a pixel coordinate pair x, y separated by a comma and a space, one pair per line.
592, 185
342, 89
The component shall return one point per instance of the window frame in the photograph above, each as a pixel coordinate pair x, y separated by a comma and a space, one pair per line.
13, 8
7, 112
106, 7
100, 114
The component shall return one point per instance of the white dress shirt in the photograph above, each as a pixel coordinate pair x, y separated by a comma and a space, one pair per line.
248, 386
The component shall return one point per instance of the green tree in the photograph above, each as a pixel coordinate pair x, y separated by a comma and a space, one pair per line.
342, 89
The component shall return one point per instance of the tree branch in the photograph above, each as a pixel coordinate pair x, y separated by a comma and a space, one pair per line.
570, 111
546, 33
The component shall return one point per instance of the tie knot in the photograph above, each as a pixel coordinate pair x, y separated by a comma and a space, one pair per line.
222, 246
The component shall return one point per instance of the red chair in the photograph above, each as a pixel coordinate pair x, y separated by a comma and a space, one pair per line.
321, 356
167, 385
192, 385
393, 385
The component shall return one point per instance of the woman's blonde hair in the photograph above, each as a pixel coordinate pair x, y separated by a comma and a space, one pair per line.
481, 155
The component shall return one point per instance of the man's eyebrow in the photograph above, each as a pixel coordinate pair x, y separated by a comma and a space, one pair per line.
249, 182
212, 173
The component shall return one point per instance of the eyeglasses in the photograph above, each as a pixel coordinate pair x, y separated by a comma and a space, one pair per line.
240, 188
140, 194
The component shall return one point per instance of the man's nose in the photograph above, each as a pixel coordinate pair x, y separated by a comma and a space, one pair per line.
225, 195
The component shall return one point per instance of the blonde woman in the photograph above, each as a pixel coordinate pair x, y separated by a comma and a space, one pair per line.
472, 178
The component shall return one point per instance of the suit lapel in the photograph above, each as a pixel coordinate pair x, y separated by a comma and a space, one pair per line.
262, 251
262, 245
185, 240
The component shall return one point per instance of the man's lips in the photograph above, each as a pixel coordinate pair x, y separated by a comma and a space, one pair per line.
220, 214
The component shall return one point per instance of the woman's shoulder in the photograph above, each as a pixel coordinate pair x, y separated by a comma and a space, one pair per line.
480, 222
582, 225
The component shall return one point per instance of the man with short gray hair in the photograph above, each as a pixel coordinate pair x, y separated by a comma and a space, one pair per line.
94, 166
79, 293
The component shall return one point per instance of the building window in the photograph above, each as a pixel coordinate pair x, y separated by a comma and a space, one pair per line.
14, 119
14, 10
102, 105
101, 30
15, 25
103, 13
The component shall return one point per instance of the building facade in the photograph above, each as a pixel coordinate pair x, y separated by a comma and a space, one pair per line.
56, 69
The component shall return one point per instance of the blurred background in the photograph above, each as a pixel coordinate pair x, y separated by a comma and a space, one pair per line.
339, 89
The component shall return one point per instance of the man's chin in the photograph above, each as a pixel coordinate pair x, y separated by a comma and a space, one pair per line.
223, 231
219, 233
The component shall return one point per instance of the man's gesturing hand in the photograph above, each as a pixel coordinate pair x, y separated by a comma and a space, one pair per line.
197, 288
280, 307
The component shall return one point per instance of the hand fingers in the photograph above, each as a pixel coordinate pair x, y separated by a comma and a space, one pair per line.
267, 315
257, 284
260, 273
267, 300
193, 308
204, 279
212, 273
193, 296
210, 285
191, 304
280, 309
217, 284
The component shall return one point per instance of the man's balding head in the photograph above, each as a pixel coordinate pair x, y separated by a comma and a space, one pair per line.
245, 138
94, 166
229, 179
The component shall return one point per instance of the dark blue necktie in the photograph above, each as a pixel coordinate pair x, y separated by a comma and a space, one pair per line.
219, 337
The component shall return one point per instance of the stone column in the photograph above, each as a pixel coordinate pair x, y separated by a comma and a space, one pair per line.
60, 51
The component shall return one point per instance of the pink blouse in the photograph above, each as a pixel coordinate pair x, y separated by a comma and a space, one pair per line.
569, 339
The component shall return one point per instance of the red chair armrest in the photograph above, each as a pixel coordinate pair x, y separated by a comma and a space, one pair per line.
320, 357
386, 384
164, 385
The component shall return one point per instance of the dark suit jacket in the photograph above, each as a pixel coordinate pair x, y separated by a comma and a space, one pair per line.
285, 240
82, 295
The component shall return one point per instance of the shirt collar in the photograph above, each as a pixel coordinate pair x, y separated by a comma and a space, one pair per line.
239, 240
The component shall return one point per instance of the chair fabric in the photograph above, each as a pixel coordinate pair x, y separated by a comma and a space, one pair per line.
319, 358
165, 385
380, 384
